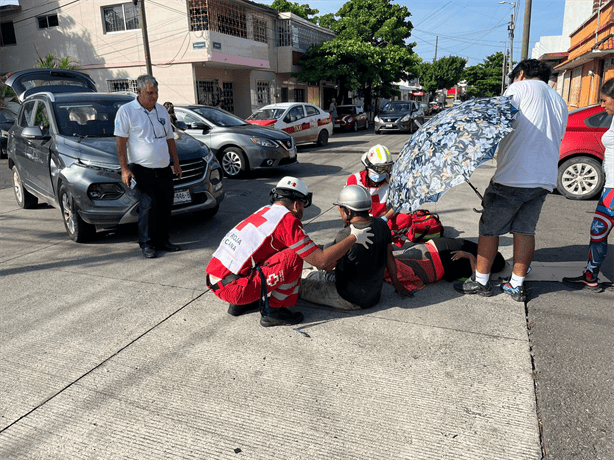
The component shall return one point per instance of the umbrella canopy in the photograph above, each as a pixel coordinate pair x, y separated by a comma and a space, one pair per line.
446, 150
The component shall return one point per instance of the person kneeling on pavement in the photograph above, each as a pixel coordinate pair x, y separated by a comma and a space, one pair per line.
357, 280
258, 264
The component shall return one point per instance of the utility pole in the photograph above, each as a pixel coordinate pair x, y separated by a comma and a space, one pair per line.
436, 45
526, 30
145, 36
511, 28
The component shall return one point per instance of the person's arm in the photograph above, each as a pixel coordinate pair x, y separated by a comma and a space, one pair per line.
327, 258
172, 149
391, 265
122, 155
456, 255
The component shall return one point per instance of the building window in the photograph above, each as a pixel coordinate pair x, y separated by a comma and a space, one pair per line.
228, 99
260, 34
121, 85
8, 34
121, 17
208, 92
44, 22
199, 19
263, 96
284, 94
299, 95
223, 17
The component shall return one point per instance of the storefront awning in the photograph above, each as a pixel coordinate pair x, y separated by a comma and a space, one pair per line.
418, 93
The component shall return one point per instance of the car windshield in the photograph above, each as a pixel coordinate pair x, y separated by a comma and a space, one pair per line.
346, 110
219, 117
89, 118
267, 114
397, 107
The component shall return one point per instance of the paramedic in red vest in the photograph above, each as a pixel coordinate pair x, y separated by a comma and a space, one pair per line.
271, 245
378, 165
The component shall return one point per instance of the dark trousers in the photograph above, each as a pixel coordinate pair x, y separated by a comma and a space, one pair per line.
156, 194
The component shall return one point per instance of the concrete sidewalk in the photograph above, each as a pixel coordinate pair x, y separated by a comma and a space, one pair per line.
107, 355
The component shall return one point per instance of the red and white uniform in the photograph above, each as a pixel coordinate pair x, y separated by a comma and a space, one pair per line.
399, 223
271, 238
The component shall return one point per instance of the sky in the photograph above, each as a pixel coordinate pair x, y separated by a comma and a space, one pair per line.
473, 29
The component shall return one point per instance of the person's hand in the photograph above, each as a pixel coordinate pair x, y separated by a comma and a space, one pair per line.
362, 235
457, 255
177, 170
126, 175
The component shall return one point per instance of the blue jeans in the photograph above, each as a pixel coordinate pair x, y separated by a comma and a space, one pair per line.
156, 194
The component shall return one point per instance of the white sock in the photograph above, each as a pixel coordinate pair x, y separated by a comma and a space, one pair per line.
516, 280
482, 278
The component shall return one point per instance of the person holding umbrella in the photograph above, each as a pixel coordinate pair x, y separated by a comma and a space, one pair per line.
527, 162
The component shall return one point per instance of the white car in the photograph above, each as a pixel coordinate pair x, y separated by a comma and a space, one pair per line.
304, 122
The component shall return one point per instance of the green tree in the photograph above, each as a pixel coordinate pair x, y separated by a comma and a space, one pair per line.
485, 79
441, 74
369, 52
304, 11
55, 62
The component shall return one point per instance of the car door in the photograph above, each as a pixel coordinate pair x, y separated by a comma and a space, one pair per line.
313, 116
195, 124
296, 124
39, 151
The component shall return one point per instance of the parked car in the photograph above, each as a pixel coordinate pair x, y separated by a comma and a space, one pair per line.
426, 108
400, 116
304, 122
351, 117
62, 151
239, 146
435, 107
580, 175
7, 118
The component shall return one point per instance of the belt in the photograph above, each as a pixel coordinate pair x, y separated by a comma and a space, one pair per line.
223, 282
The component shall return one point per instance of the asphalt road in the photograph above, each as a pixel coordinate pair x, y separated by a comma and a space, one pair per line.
571, 332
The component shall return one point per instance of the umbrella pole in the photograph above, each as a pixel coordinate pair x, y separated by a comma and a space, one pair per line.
477, 193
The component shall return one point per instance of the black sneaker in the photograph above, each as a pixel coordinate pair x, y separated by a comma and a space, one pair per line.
237, 310
471, 286
281, 317
584, 281
517, 293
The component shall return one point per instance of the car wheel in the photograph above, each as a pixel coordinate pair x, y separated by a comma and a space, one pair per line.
580, 178
366, 124
377, 131
24, 198
78, 230
233, 162
322, 138
355, 126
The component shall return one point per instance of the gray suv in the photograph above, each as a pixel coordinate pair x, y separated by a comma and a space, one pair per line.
399, 116
62, 151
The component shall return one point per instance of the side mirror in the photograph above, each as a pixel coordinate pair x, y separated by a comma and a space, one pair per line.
34, 132
197, 125
181, 125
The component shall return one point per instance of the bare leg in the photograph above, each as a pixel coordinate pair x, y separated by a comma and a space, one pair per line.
524, 246
487, 251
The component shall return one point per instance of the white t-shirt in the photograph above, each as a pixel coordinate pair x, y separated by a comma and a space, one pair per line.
608, 156
146, 132
528, 157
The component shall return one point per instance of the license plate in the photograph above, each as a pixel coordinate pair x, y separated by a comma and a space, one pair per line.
182, 196
389, 125
336, 125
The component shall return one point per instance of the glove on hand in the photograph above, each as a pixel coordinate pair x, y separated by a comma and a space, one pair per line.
362, 235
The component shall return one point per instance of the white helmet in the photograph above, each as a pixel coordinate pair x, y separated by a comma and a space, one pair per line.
292, 188
354, 197
378, 158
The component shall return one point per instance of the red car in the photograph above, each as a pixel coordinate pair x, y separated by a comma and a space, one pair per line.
581, 174
351, 117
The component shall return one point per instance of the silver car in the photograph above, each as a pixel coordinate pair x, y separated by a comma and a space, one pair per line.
399, 116
62, 151
238, 145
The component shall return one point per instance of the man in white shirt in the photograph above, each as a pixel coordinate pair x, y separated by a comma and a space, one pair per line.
145, 145
527, 163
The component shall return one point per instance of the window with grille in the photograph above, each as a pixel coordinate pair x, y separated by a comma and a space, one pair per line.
299, 95
44, 22
218, 16
260, 33
121, 17
208, 92
8, 34
228, 99
262, 93
199, 18
121, 85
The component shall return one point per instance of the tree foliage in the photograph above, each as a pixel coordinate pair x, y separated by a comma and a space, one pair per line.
441, 74
304, 11
369, 52
485, 79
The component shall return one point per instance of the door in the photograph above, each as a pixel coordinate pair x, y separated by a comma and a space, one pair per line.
40, 152
296, 124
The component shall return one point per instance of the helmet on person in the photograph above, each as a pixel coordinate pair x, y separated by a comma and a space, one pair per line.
293, 189
354, 197
378, 159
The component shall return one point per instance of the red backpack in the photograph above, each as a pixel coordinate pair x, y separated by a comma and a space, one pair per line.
425, 225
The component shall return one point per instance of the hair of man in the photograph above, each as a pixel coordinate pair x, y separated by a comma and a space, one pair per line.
533, 68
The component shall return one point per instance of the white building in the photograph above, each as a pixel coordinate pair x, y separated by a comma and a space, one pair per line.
201, 51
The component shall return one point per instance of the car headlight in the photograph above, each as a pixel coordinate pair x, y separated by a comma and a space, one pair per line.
98, 165
264, 142
105, 191
207, 155
376, 118
406, 118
